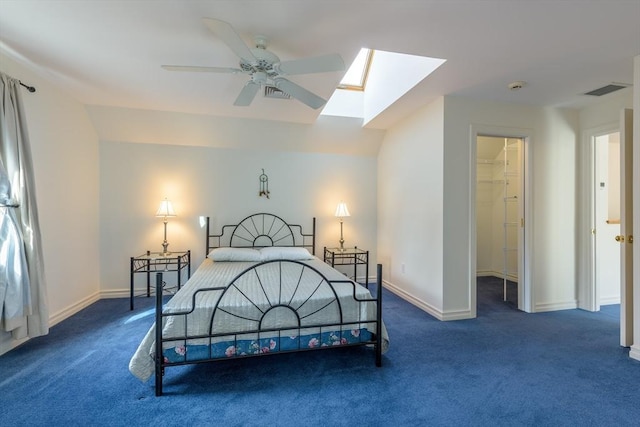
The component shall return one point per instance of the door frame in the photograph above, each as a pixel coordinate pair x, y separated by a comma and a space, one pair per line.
588, 294
525, 290
626, 227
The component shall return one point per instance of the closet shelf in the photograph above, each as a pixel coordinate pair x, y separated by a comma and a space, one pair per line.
497, 199
510, 224
492, 181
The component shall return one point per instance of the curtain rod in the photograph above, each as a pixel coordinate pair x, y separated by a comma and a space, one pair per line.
29, 88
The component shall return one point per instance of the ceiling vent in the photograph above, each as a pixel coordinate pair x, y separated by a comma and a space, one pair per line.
607, 89
274, 92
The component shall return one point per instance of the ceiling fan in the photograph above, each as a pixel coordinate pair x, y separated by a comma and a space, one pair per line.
265, 68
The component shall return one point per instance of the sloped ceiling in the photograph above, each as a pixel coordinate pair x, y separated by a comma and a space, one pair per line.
109, 52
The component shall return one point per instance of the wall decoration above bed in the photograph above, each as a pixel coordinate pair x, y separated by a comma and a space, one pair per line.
264, 185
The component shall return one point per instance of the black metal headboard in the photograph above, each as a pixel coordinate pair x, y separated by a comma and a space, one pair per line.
261, 230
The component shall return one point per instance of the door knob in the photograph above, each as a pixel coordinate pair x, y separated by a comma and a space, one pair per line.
630, 238
619, 238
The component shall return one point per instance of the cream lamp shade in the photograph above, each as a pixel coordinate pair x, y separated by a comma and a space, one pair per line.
165, 209
342, 211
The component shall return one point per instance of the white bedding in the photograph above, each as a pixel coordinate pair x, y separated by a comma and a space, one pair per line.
253, 295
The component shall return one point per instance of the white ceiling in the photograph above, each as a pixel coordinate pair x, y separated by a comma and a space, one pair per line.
109, 52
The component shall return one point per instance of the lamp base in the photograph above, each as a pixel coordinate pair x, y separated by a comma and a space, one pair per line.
165, 252
165, 244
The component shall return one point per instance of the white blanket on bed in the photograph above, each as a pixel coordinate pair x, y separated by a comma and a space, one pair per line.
274, 283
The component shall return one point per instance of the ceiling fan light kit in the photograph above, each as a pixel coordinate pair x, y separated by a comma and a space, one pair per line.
265, 68
517, 85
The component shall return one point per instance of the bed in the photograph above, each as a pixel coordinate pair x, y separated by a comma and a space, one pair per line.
260, 291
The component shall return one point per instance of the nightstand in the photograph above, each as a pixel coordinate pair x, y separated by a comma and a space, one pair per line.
158, 262
348, 256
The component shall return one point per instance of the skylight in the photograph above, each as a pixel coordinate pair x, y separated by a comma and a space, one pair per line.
387, 77
356, 76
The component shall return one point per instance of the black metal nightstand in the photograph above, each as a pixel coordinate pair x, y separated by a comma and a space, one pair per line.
157, 261
348, 256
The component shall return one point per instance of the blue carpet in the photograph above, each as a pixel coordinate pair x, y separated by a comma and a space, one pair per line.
505, 368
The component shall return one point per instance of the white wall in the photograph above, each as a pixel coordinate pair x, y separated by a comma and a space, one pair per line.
613, 155
329, 134
553, 186
429, 154
223, 183
598, 119
65, 155
410, 207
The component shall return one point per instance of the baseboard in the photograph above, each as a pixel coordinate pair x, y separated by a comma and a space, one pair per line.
555, 306
424, 306
512, 278
498, 274
361, 279
115, 293
610, 300
65, 313
86, 302
6, 346
458, 315
54, 319
484, 273
413, 300
634, 352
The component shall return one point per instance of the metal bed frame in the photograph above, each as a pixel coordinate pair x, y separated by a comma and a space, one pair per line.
262, 230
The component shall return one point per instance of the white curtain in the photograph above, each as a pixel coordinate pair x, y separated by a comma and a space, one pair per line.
23, 297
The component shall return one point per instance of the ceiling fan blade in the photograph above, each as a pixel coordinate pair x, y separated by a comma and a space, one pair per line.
315, 64
300, 93
202, 69
247, 94
228, 35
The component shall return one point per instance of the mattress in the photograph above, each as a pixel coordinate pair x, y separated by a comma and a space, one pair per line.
290, 305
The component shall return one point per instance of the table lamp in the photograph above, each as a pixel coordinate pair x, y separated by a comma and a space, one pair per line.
165, 211
341, 212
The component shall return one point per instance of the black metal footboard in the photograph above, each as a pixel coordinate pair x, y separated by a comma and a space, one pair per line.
273, 305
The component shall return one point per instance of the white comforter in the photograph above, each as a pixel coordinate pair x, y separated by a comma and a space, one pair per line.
274, 284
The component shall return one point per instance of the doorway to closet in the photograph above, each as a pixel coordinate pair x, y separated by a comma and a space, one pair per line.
499, 220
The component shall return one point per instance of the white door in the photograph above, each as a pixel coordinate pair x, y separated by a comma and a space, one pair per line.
625, 238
